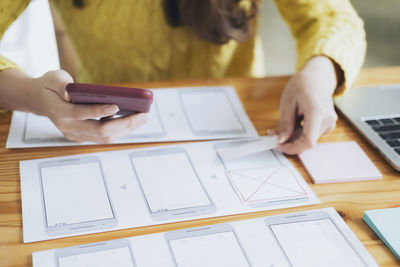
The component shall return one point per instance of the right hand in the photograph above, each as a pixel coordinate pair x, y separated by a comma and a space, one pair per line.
78, 121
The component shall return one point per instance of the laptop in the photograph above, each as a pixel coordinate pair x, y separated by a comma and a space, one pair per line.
375, 112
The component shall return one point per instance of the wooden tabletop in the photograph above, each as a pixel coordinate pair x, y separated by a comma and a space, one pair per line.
260, 98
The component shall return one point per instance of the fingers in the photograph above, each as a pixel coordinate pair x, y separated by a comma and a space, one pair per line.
76, 121
288, 120
308, 135
330, 123
116, 128
88, 111
315, 125
312, 127
103, 132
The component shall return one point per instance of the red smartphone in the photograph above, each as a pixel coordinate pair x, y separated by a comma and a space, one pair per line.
128, 100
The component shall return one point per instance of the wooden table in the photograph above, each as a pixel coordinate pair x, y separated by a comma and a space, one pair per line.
260, 98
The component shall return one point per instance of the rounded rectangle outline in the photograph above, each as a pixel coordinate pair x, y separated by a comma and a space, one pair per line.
64, 140
215, 89
132, 135
258, 204
37, 139
177, 213
304, 217
94, 247
82, 226
202, 231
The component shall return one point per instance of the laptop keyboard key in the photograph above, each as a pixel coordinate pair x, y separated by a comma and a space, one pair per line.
393, 143
390, 136
397, 119
372, 122
386, 128
386, 121
397, 150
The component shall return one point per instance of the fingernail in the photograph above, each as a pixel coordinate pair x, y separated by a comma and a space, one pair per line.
67, 97
111, 109
282, 137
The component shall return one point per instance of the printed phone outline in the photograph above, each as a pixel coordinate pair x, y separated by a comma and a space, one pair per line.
69, 162
213, 228
36, 140
64, 140
281, 166
162, 151
206, 132
163, 132
308, 213
95, 247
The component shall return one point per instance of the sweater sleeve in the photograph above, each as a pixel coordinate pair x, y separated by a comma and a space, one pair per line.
9, 11
327, 27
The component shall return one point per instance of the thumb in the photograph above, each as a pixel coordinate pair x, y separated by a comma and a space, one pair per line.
57, 81
287, 122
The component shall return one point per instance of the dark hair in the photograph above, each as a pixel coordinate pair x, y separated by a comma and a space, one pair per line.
78, 3
217, 21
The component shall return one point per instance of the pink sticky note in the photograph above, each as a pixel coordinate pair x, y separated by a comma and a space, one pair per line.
339, 162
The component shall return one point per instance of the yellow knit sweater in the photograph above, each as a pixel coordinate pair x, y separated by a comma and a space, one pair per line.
129, 40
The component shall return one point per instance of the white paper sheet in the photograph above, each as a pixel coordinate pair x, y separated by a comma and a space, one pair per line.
257, 243
260, 176
177, 114
127, 194
267, 143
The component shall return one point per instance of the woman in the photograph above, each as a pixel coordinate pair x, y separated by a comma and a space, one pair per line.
142, 40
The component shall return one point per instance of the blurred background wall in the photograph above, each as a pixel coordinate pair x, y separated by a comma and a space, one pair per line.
31, 43
30, 40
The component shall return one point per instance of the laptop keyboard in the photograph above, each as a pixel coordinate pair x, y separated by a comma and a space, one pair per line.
389, 130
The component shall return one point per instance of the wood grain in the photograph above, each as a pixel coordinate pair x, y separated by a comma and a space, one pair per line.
260, 98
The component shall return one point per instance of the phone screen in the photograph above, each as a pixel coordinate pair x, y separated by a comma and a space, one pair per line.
210, 111
75, 193
219, 249
315, 243
120, 257
169, 182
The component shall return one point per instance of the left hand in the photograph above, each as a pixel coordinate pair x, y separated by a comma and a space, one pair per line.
307, 110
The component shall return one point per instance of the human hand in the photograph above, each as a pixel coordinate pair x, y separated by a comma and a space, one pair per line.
78, 121
307, 109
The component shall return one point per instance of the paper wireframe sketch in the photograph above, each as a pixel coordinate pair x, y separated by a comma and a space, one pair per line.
262, 178
249, 148
170, 193
75, 196
237, 244
214, 245
117, 253
193, 113
140, 192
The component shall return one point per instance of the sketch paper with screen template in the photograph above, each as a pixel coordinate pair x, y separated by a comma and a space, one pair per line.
137, 201
262, 178
193, 113
249, 242
112, 257
72, 184
168, 192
